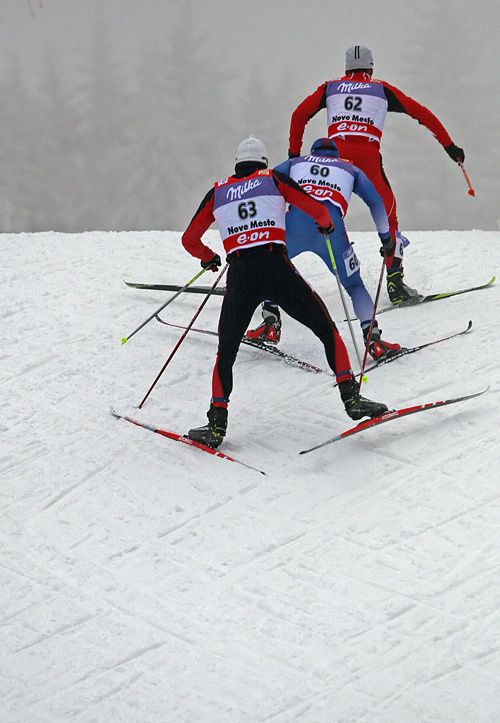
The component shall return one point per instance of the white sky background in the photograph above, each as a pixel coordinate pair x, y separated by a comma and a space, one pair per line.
441, 53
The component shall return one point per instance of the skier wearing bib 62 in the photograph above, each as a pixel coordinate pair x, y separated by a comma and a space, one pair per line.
249, 208
331, 180
357, 106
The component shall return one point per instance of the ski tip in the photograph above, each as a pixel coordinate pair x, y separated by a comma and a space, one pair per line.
471, 192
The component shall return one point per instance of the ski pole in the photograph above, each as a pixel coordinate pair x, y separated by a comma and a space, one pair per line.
347, 314
198, 312
126, 338
362, 378
471, 191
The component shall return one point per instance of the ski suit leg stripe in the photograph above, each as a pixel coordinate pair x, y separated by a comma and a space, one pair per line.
301, 302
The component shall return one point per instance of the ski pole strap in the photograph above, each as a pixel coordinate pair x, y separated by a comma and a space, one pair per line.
126, 338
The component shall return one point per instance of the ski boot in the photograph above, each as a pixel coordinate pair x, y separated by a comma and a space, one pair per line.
270, 329
377, 347
357, 406
213, 433
399, 292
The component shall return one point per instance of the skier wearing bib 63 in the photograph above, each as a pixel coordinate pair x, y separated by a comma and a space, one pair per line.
249, 208
331, 180
357, 106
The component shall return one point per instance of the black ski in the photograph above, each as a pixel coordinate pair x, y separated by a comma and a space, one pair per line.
172, 287
174, 436
432, 297
274, 351
404, 351
293, 361
389, 416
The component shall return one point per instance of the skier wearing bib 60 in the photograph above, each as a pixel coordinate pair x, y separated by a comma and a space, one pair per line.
331, 180
357, 106
249, 208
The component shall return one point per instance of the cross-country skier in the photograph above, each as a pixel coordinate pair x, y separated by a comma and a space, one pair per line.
356, 106
249, 208
332, 180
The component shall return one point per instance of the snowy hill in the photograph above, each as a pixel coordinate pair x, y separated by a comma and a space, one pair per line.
145, 581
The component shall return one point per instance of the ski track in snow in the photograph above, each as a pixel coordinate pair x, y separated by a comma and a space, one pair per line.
143, 580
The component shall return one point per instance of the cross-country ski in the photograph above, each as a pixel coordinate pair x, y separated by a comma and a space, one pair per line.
390, 416
418, 300
306, 366
176, 437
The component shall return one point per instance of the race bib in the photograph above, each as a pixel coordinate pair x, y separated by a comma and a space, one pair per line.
350, 261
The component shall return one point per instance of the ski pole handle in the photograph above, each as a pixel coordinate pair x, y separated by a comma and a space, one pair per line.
126, 338
471, 191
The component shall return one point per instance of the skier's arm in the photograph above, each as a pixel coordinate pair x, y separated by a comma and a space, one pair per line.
365, 189
398, 102
295, 196
302, 115
201, 221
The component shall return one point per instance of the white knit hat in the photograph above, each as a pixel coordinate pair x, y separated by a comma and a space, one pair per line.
358, 57
251, 149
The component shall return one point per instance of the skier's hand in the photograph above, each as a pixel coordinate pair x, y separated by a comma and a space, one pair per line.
293, 155
388, 246
213, 263
326, 229
455, 153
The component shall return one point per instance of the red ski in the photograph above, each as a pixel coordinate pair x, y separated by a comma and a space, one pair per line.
182, 438
389, 416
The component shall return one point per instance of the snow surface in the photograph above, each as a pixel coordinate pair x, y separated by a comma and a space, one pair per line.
146, 581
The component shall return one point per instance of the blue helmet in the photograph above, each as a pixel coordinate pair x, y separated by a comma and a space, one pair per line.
325, 144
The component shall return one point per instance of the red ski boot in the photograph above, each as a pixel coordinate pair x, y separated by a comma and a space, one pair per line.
269, 331
377, 347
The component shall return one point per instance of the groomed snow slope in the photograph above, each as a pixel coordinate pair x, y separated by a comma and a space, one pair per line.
142, 580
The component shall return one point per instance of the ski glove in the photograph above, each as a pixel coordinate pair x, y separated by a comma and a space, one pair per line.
388, 246
213, 263
326, 229
455, 153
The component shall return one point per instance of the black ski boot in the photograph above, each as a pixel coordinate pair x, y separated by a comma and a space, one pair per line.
213, 433
357, 406
399, 292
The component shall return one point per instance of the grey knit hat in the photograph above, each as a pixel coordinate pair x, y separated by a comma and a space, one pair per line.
251, 149
358, 57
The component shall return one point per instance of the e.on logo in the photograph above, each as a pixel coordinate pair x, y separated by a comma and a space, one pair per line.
253, 236
353, 127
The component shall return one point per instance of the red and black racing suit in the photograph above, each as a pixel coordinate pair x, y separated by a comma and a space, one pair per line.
264, 272
364, 152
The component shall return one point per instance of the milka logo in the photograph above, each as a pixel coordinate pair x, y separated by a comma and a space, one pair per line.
239, 191
351, 87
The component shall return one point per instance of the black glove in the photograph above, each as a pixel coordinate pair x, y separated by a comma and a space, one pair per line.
455, 153
213, 264
388, 246
326, 229
293, 155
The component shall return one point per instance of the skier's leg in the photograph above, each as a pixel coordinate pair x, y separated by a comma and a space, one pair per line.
239, 303
299, 300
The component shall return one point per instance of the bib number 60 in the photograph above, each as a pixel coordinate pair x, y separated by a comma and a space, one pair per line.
351, 261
